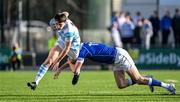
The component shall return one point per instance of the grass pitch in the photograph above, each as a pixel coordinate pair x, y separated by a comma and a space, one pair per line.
93, 86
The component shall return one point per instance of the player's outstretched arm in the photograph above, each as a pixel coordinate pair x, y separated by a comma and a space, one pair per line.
64, 52
69, 63
58, 71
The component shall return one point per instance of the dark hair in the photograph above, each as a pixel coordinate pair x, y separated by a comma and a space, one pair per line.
176, 10
138, 13
60, 17
143, 19
127, 14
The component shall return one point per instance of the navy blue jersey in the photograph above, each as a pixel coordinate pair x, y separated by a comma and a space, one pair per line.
97, 52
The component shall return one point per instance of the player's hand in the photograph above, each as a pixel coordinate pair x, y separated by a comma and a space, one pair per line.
58, 71
55, 66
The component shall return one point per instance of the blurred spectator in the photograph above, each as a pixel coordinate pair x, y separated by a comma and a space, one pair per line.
127, 28
16, 57
176, 26
115, 35
166, 24
137, 32
156, 26
114, 29
115, 17
137, 18
52, 41
121, 19
147, 33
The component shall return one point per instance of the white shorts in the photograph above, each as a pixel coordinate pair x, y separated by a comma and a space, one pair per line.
71, 54
123, 61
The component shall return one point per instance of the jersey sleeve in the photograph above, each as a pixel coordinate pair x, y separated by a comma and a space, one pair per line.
82, 55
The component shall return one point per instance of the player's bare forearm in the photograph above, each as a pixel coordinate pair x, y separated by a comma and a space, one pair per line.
64, 66
64, 51
61, 55
58, 71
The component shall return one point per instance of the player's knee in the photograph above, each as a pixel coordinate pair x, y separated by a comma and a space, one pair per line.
48, 61
121, 85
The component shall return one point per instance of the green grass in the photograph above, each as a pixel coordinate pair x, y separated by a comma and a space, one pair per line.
93, 86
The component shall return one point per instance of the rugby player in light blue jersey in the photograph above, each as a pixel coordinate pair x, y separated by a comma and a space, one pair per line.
68, 43
122, 63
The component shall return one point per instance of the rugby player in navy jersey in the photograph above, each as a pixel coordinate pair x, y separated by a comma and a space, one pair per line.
122, 63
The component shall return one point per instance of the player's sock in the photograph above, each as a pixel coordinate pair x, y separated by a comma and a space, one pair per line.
131, 82
42, 71
154, 82
165, 85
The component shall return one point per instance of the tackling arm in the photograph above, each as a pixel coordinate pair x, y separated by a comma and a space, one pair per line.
58, 71
64, 52
67, 64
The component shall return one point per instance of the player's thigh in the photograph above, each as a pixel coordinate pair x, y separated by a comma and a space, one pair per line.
134, 73
53, 54
119, 76
137, 77
124, 62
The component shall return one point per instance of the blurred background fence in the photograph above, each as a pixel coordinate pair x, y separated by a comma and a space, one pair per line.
26, 22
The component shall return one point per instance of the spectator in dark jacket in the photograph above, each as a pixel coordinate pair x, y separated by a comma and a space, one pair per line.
154, 19
176, 26
166, 24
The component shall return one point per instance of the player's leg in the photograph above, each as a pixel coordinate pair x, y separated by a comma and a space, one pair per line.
76, 70
54, 52
44, 67
121, 82
71, 63
73, 66
121, 65
135, 75
124, 61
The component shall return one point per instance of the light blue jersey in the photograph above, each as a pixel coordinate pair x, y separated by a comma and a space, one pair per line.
70, 33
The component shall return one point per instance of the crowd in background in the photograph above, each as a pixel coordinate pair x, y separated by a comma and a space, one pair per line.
128, 31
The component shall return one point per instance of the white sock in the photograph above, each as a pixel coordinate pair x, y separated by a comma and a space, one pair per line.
150, 81
130, 81
164, 85
42, 71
